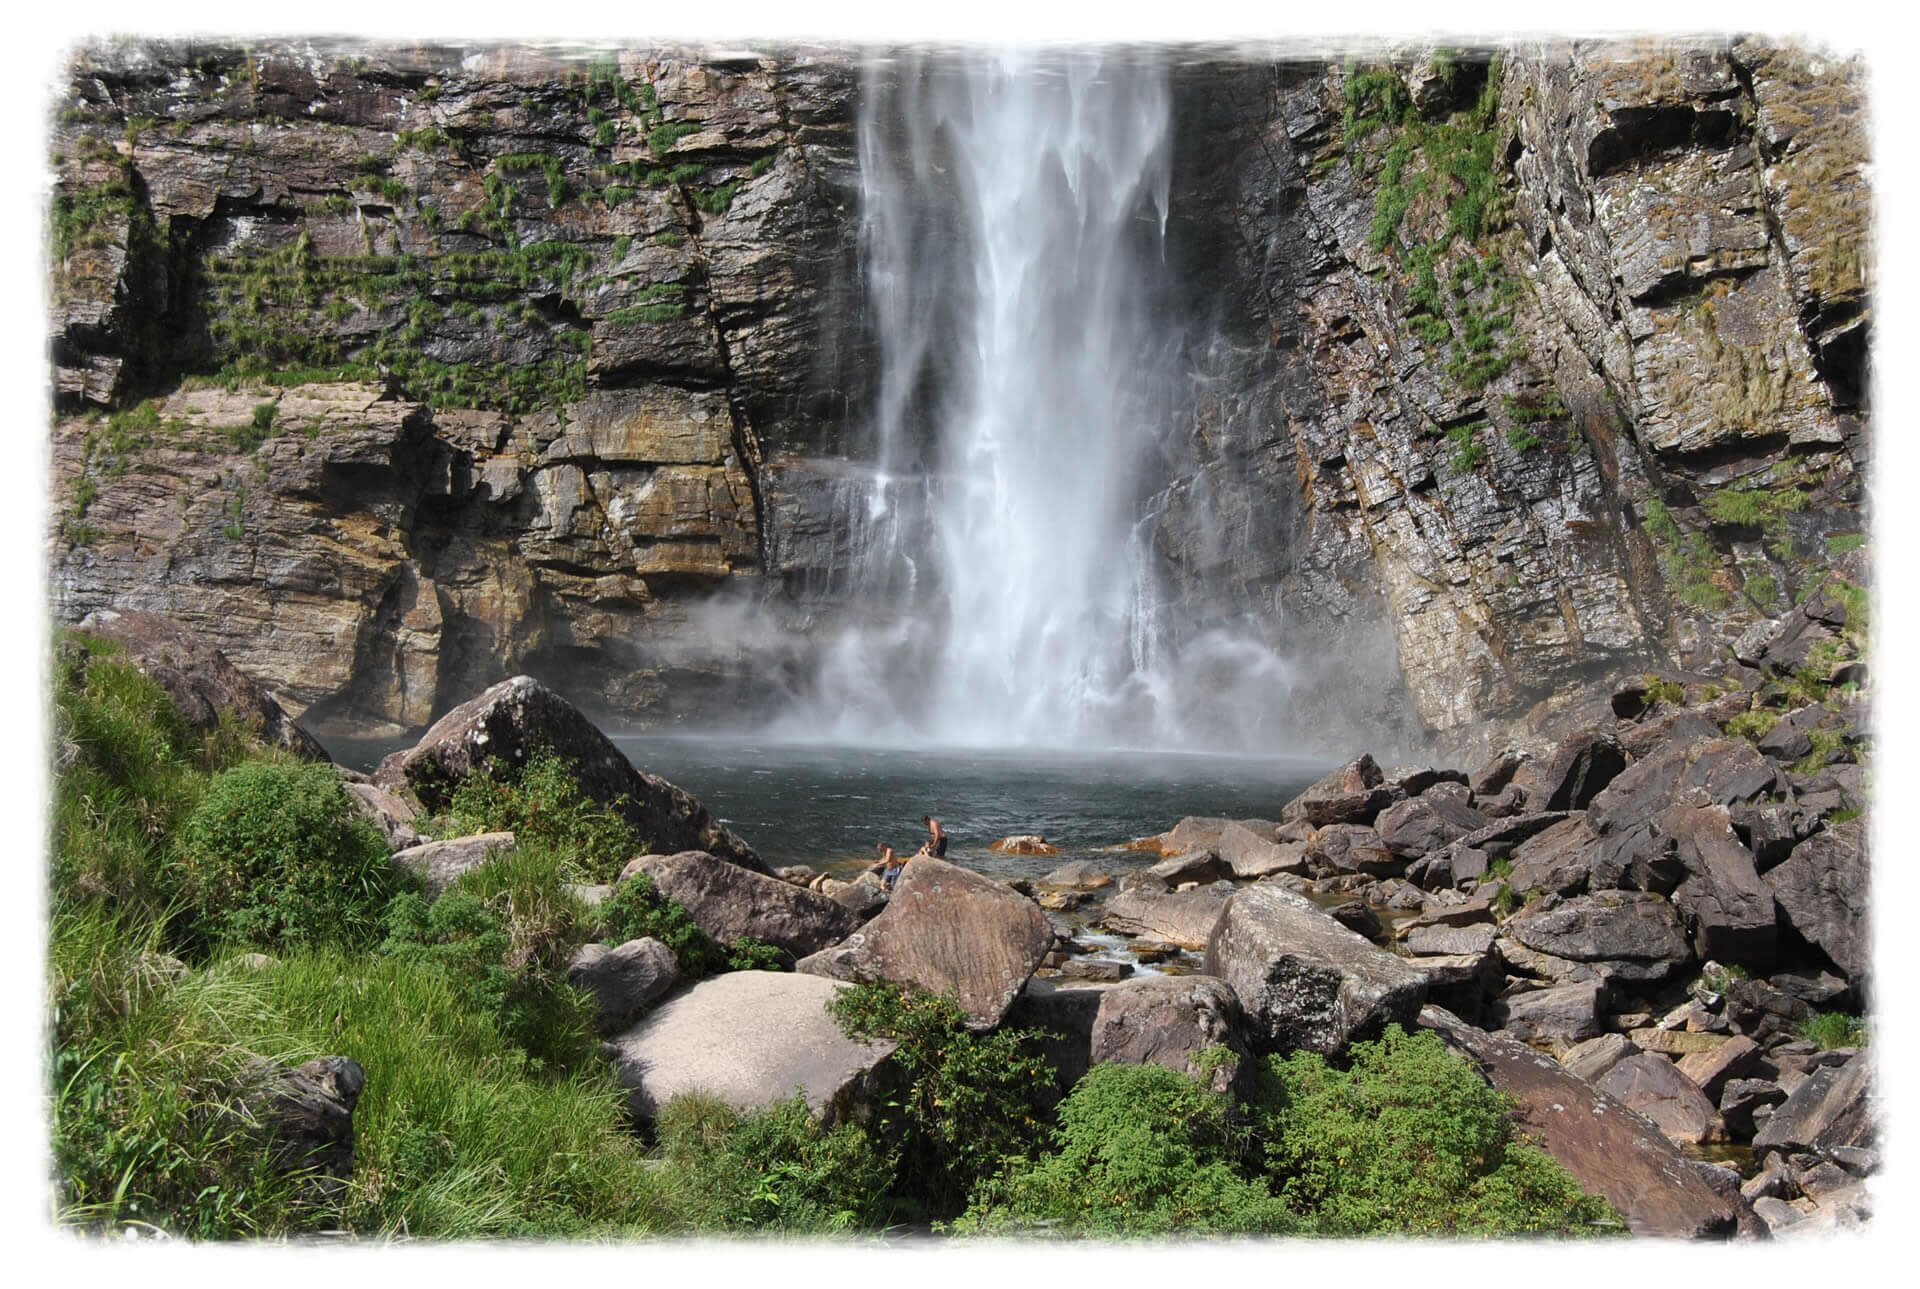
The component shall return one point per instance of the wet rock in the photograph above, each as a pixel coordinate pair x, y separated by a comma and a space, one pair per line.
1304, 980
728, 901
1095, 969
624, 980
946, 930
202, 683
1024, 844
1612, 1151
1185, 918
439, 864
1079, 875
1649, 1083
749, 1038
1353, 794
503, 727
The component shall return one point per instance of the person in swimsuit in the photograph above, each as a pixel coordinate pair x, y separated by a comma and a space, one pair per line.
890, 866
936, 843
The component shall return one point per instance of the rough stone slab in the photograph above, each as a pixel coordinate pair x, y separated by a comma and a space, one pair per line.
625, 979
949, 931
1611, 1151
728, 901
749, 1038
1563, 1015
1604, 926
1676, 1042
1730, 908
1822, 888
1475, 938
1712, 1070
1354, 793
439, 864
1079, 875
1304, 980
1652, 1085
1594, 1057
1833, 1108
1146, 1020
392, 815
1253, 855
1184, 918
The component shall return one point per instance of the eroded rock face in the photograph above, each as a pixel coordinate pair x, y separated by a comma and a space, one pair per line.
1612, 1151
1610, 925
946, 930
728, 901
507, 724
1822, 890
1304, 980
749, 1038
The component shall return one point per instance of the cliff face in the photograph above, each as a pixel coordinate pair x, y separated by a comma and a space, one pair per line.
1506, 378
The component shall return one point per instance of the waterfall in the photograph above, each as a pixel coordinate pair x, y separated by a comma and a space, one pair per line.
1014, 219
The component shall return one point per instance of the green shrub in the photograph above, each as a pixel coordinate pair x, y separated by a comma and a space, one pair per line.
1835, 1029
636, 908
541, 804
775, 1171
1410, 1140
278, 855
966, 1101
1140, 1150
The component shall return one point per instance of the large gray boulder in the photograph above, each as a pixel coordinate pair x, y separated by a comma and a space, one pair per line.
1822, 890
1556, 859
1728, 906
1573, 774
748, 1038
202, 683
1722, 771
1610, 1150
1305, 981
1183, 918
728, 901
1560, 1017
949, 931
624, 980
1608, 926
1146, 1020
1420, 824
1253, 855
504, 726
1832, 1110
439, 864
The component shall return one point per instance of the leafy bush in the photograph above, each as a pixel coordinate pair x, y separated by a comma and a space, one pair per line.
966, 1102
778, 1170
1835, 1029
1140, 1150
277, 855
542, 804
1410, 1140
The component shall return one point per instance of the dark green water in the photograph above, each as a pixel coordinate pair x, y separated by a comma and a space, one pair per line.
830, 805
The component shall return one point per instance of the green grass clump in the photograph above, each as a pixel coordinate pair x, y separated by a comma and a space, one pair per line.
668, 133
1835, 1029
1753, 725
779, 1171
276, 855
541, 804
1467, 454
1843, 543
1687, 560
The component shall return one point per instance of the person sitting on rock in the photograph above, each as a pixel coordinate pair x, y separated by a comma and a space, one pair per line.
936, 843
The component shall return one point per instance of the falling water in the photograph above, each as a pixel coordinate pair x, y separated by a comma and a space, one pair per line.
1014, 223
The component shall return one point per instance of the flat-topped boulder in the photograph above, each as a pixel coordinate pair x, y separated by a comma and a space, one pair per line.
1253, 854
1631, 926
503, 727
728, 902
202, 683
1078, 875
1304, 980
750, 1039
1417, 825
947, 930
1183, 918
439, 864
1614, 1153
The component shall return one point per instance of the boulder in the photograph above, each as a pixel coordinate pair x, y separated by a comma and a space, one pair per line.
1354, 793
1832, 1109
1556, 859
1595, 1056
624, 980
1157, 1020
1741, 1099
1351, 848
439, 864
393, 816
1723, 770
1183, 918
1303, 980
1575, 771
1024, 844
1476, 937
1252, 855
865, 896
1822, 891
1095, 969
1724, 899
1611, 1151
1649, 1084
202, 683
728, 902
749, 1038
1496, 773
1633, 926
1559, 1017
1194, 866
1079, 875
1711, 1071
504, 726
307, 1114
1411, 781
1420, 824
949, 931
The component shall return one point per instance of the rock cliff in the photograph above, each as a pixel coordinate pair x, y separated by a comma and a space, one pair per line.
396, 371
